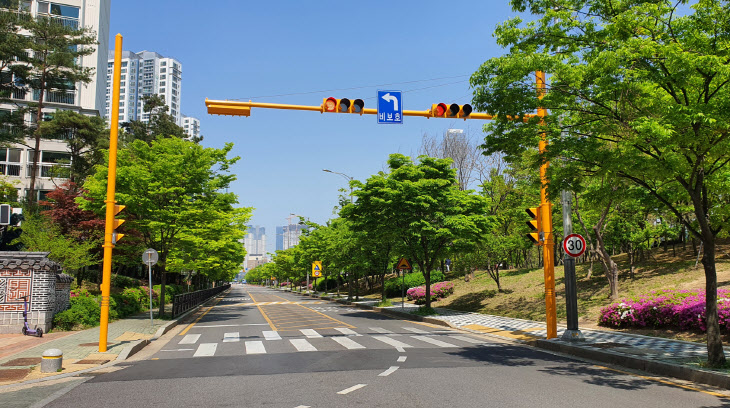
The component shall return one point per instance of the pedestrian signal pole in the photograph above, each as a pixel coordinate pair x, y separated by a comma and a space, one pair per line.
446, 111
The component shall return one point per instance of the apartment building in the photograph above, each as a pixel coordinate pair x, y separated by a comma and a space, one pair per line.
87, 99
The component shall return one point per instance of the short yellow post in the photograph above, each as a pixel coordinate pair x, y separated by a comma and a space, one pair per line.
551, 317
110, 202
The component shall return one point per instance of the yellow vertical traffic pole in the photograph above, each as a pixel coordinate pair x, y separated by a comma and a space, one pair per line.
547, 225
110, 202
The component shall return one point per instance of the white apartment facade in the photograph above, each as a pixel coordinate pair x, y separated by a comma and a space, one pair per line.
87, 99
191, 126
144, 73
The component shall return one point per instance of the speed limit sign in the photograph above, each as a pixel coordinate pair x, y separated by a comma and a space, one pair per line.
574, 245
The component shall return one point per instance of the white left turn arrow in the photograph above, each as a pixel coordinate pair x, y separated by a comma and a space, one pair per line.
391, 98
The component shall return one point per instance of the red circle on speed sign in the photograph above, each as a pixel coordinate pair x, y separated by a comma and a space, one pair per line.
574, 245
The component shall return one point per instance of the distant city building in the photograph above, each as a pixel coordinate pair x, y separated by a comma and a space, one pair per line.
255, 244
85, 98
145, 73
191, 126
287, 236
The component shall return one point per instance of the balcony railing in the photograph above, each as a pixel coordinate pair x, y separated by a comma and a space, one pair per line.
64, 21
49, 170
8, 169
19, 94
66, 97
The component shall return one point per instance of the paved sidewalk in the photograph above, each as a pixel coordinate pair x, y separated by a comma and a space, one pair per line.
80, 349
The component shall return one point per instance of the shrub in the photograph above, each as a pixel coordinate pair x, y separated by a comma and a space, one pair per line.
438, 291
393, 285
85, 311
678, 309
122, 282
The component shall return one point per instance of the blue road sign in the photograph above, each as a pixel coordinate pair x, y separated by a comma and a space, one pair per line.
390, 107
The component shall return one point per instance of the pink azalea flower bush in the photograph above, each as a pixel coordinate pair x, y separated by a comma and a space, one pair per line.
438, 291
679, 309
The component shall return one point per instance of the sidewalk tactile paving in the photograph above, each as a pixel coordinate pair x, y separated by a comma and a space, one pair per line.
22, 362
13, 374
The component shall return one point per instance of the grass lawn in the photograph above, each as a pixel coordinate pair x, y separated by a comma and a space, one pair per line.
523, 293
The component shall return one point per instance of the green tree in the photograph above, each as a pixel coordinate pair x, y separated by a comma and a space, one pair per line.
422, 204
53, 69
171, 189
13, 68
638, 91
86, 137
160, 123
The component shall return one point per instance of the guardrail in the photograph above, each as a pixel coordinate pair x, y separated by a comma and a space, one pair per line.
186, 301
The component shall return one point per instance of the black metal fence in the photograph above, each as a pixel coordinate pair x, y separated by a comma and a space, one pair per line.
186, 301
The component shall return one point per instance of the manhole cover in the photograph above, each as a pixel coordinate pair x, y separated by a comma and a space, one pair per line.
13, 374
608, 345
20, 362
90, 361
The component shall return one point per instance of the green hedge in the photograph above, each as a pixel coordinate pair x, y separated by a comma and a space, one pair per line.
412, 280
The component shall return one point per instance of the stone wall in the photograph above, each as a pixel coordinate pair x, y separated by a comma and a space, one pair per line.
31, 274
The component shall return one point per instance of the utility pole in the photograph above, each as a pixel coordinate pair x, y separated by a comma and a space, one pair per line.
349, 179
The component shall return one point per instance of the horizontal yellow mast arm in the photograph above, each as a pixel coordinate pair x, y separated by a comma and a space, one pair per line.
236, 108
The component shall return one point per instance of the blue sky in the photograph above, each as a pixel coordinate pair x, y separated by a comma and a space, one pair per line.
308, 51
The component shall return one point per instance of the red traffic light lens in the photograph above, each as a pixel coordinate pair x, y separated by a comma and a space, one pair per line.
358, 106
344, 104
330, 105
441, 109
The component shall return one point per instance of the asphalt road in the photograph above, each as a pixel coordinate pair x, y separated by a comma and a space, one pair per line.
262, 348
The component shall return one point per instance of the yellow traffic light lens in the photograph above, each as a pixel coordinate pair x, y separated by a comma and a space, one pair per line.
344, 105
454, 109
330, 104
358, 106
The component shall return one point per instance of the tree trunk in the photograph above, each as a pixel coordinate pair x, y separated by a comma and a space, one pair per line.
715, 353
162, 289
427, 276
31, 199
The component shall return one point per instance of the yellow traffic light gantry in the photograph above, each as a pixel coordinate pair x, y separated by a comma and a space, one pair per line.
344, 105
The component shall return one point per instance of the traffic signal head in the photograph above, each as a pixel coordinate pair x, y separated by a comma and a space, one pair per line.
535, 235
343, 105
117, 222
450, 111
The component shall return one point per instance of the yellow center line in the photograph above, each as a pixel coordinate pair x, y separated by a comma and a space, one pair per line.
263, 313
687, 387
190, 326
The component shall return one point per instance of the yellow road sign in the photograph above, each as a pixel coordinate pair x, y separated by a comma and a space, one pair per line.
404, 264
317, 269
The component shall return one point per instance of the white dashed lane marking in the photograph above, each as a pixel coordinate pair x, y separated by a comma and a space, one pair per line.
206, 350
255, 347
231, 337
190, 339
271, 335
348, 343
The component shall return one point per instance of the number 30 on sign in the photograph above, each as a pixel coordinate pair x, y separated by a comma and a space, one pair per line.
574, 245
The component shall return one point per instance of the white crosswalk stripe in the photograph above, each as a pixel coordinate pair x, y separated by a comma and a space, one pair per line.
302, 345
383, 331
433, 341
415, 330
468, 339
190, 339
393, 342
231, 337
348, 343
271, 335
311, 334
206, 350
347, 332
255, 347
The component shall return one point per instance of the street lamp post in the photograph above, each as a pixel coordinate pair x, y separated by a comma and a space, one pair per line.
345, 176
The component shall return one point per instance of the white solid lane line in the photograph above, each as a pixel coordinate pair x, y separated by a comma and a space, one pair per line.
178, 350
348, 343
383, 331
402, 359
231, 337
190, 339
255, 347
230, 325
468, 339
434, 341
303, 406
415, 330
302, 345
388, 372
271, 335
351, 389
206, 350
393, 342
311, 334
347, 332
